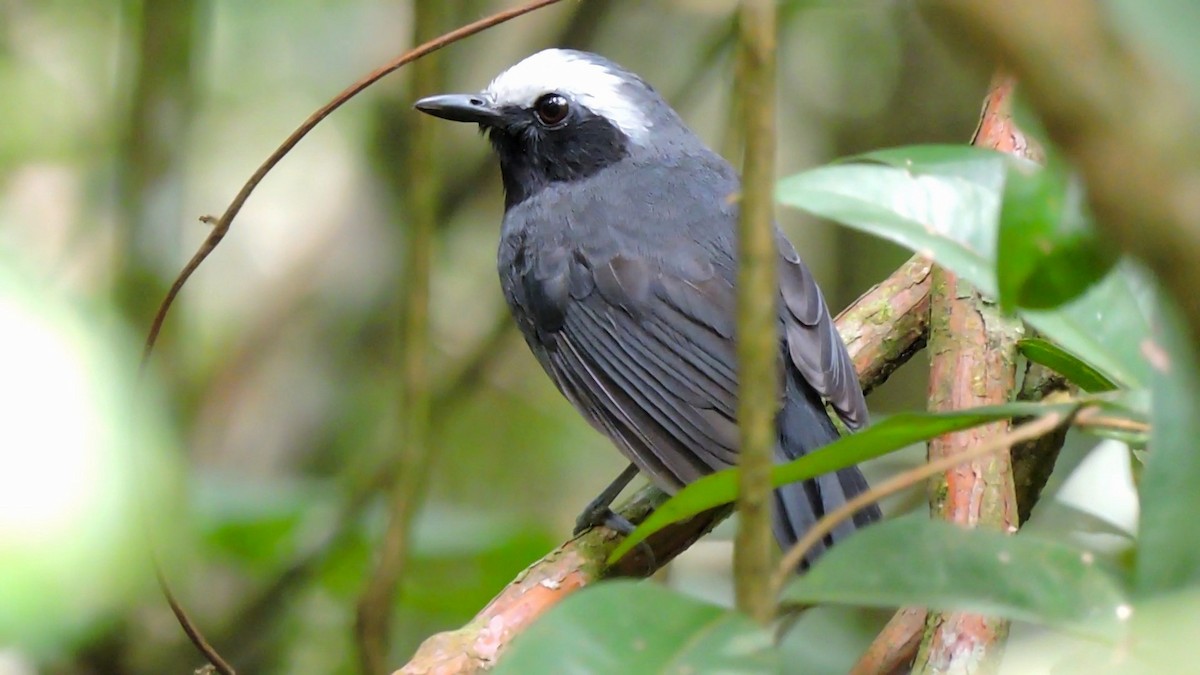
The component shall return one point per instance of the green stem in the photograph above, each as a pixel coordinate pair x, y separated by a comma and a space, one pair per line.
757, 340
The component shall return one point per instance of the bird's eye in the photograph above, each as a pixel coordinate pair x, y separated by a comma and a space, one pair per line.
551, 109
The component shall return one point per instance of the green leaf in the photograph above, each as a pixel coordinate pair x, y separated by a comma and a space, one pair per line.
944, 209
1168, 556
891, 434
944, 202
1105, 326
630, 627
1055, 519
1048, 251
1066, 364
974, 164
917, 561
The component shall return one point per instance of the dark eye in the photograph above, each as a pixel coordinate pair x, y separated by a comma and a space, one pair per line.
551, 109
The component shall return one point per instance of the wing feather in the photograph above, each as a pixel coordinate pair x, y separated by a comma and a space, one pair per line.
646, 351
813, 342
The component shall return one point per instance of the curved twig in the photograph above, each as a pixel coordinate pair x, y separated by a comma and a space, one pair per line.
220, 226
189, 627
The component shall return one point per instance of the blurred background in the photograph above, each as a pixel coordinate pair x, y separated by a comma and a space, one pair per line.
256, 453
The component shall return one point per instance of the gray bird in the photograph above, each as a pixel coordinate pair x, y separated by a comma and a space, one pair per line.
617, 258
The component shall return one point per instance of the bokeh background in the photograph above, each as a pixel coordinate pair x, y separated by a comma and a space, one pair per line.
255, 453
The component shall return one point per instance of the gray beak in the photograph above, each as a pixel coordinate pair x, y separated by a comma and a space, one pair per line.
459, 108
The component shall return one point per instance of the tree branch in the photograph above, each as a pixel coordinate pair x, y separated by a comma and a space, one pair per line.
898, 643
893, 649
888, 324
973, 363
1033, 462
160, 113
902, 299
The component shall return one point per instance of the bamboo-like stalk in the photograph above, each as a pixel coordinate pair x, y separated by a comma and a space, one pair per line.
757, 339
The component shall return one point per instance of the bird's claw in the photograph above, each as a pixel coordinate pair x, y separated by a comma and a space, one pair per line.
603, 516
614, 521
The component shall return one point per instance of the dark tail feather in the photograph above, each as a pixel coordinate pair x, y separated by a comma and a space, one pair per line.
804, 426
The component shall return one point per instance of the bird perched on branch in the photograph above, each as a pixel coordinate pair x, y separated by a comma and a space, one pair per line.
617, 258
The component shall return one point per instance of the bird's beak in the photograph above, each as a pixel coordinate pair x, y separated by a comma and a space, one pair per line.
460, 108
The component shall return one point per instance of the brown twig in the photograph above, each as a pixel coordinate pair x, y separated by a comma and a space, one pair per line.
893, 649
893, 313
580, 562
1097, 421
220, 227
189, 627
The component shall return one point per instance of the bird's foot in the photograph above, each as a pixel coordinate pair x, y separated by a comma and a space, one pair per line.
606, 517
597, 515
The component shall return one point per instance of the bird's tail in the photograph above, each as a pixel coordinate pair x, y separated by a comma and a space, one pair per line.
804, 426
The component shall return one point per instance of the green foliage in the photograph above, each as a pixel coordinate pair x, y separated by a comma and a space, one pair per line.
1018, 233
253, 525
945, 202
1168, 552
890, 435
1065, 363
1048, 253
940, 201
918, 561
629, 627
446, 582
1097, 321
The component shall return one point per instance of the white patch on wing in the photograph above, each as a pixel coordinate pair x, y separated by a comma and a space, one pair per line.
558, 71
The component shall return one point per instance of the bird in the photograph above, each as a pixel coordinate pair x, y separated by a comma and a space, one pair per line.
617, 258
